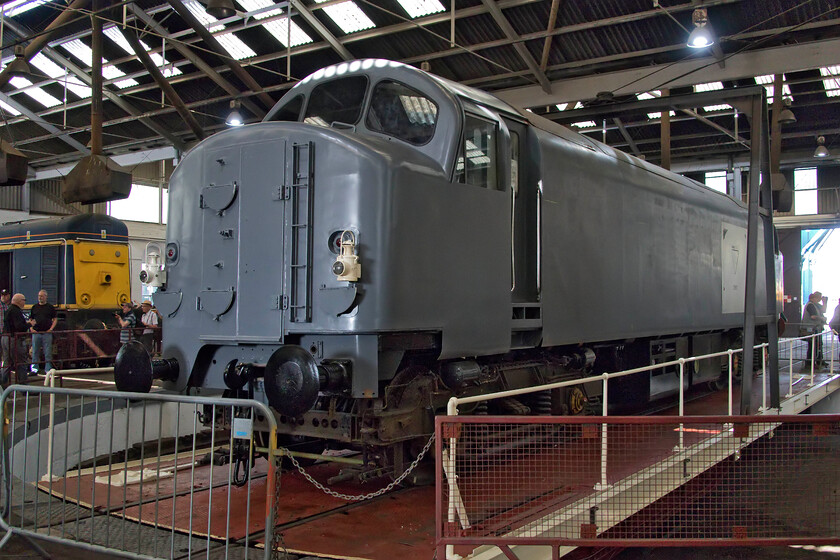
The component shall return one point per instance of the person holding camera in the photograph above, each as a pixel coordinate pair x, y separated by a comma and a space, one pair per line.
127, 321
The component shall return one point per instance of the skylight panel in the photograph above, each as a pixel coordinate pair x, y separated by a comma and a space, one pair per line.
348, 16
35, 93
418, 8
564, 106
832, 83
58, 73
419, 109
767, 82
711, 86
84, 53
655, 94
585, 124
230, 42
116, 36
279, 27
12, 9
9, 109
713, 108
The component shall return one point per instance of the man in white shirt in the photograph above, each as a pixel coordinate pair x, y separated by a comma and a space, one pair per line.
150, 322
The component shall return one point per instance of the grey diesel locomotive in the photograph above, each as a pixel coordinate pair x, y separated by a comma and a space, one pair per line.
386, 238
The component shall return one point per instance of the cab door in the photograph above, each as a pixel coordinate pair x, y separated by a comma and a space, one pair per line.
524, 214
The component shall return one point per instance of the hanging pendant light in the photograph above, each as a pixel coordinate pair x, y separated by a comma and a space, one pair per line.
701, 37
821, 151
221, 9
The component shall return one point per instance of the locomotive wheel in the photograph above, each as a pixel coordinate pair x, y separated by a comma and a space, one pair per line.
576, 401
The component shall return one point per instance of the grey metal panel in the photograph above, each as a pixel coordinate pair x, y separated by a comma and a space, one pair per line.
627, 253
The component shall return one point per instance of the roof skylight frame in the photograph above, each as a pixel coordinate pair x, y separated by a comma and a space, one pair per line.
420, 8
17, 7
585, 124
84, 53
34, 92
229, 41
831, 80
166, 68
708, 86
278, 27
767, 81
9, 109
348, 16
61, 75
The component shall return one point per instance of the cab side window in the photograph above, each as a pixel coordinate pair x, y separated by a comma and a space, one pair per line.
476, 163
336, 101
402, 112
290, 111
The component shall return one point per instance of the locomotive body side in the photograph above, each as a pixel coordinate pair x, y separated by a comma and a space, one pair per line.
643, 253
496, 251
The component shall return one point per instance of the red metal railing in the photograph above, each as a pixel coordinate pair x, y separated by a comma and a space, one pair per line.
70, 349
634, 481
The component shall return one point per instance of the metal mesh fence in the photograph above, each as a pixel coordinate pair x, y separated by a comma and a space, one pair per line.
149, 475
628, 480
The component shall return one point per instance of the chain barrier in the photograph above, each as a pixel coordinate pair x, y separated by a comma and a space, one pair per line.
277, 542
363, 497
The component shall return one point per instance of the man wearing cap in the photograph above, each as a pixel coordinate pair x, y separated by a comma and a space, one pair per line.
43, 318
127, 321
15, 323
5, 299
150, 322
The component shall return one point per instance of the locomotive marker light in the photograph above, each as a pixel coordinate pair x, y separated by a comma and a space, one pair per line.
347, 266
152, 271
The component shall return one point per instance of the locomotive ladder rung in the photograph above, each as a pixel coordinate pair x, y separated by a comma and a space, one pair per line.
299, 266
300, 225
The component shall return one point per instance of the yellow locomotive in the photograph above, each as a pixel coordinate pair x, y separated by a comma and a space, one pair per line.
81, 261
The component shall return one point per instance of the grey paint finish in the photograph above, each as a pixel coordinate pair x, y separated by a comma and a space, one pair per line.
424, 244
626, 253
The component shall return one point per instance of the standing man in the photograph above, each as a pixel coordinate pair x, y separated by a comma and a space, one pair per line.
813, 320
43, 319
127, 321
5, 367
150, 322
14, 323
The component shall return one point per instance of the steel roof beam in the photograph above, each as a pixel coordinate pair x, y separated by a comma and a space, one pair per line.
627, 137
319, 28
113, 97
521, 49
773, 60
188, 54
552, 21
51, 128
168, 90
214, 44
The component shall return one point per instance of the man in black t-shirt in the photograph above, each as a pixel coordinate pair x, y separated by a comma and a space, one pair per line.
15, 323
43, 319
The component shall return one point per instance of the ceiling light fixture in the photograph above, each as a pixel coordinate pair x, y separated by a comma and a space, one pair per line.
221, 9
821, 151
235, 117
701, 37
19, 66
786, 116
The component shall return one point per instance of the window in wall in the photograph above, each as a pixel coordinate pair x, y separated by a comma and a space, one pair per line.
476, 164
401, 112
336, 101
142, 205
716, 180
805, 191
290, 111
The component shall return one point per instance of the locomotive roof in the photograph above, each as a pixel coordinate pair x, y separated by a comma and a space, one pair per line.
81, 226
380, 68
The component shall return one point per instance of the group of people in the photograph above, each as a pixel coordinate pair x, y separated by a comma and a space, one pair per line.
42, 321
148, 317
814, 321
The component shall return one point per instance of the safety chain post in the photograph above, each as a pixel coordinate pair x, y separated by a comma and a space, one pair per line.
682, 402
729, 399
763, 378
604, 411
790, 369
